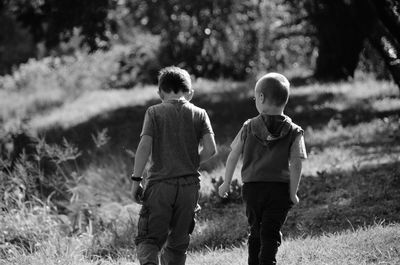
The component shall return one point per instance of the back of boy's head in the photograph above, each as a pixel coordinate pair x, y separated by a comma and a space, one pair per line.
174, 79
275, 88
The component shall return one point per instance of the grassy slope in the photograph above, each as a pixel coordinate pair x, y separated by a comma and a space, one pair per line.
352, 133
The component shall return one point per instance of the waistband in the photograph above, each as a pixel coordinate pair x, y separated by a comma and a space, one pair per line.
185, 180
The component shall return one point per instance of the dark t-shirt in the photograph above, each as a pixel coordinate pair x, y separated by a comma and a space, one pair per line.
177, 127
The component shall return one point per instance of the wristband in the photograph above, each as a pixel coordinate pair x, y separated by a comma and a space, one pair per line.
136, 178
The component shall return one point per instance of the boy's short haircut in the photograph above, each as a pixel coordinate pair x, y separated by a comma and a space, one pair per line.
174, 79
275, 88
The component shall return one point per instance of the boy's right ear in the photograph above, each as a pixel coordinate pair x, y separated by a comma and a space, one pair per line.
189, 95
262, 98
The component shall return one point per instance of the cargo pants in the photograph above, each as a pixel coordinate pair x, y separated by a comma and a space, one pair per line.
166, 220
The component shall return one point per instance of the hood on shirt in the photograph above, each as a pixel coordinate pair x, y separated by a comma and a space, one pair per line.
268, 128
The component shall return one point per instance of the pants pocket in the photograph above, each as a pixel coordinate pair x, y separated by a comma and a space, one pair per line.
143, 223
192, 225
194, 218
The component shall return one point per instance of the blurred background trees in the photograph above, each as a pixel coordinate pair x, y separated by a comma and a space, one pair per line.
343, 29
212, 39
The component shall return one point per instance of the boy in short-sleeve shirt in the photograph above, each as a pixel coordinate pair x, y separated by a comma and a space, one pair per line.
171, 135
272, 147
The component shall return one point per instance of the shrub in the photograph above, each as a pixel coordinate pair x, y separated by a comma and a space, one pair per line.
52, 81
77, 202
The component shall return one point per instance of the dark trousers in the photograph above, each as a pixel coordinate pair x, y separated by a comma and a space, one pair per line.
166, 221
267, 205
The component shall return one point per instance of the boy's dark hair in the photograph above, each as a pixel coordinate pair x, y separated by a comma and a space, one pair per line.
275, 88
174, 79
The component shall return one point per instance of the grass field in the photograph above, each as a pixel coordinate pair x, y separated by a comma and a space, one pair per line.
349, 211
370, 245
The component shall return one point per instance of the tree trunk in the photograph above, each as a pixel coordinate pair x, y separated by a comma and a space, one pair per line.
340, 40
389, 48
385, 34
389, 13
341, 29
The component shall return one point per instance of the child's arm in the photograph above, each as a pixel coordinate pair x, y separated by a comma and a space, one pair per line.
142, 155
209, 147
295, 167
297, 154
231, 163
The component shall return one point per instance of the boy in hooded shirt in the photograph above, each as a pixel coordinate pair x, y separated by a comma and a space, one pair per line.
272, 147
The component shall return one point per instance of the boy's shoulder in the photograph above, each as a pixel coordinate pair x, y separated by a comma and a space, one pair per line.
160, 107
254, 124
194, 107
295, 127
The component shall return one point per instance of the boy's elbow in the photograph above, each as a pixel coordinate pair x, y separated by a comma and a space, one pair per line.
212, 151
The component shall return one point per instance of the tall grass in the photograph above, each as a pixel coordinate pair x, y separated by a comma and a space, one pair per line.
375, 244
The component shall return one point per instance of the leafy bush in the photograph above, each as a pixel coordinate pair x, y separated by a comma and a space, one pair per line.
53, 81
139, 64
36, 171
66, 199
17, 47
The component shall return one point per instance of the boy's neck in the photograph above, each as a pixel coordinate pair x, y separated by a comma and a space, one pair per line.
173, 96
273, 111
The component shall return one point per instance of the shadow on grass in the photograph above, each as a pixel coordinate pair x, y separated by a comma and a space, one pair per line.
329, 203
227, 110
346, 200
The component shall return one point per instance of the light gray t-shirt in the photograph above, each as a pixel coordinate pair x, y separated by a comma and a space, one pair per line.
177, 127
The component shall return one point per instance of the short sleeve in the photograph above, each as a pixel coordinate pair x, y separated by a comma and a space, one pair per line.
148, 124
206, 127
298, 148
240, 137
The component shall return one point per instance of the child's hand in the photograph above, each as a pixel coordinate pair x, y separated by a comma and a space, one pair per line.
137, 192
294, 199
223, 190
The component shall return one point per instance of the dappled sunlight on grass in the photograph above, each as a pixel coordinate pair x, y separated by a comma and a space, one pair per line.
92, 104
352, 147
358, 89
376, 244
376, 131
386, 104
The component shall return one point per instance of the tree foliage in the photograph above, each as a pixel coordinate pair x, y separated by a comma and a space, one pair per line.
227, 38
16, 45
53, 21
209, 38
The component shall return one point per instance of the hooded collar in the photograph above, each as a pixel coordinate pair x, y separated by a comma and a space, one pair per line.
260, 131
